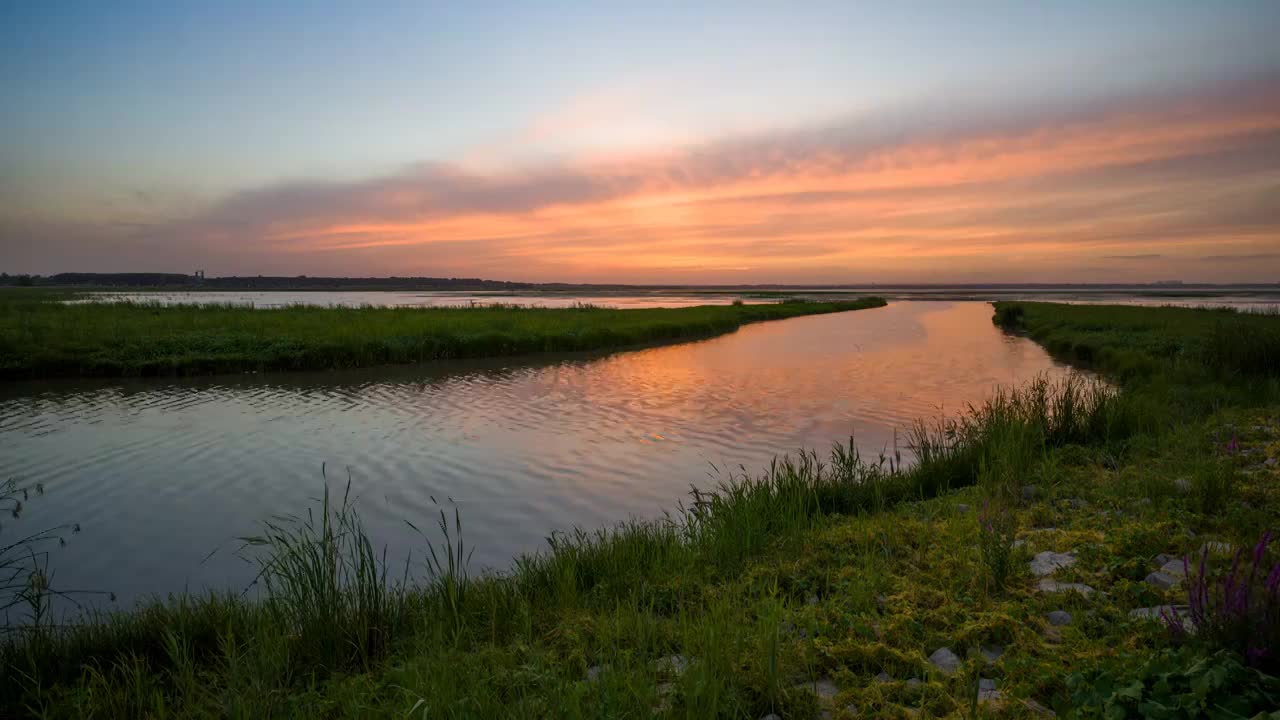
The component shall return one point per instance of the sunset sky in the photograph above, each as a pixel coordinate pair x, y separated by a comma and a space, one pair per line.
684, 142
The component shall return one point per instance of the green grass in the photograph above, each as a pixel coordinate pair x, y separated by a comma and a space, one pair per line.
40, 338
328, 609
821, 569
1130, 341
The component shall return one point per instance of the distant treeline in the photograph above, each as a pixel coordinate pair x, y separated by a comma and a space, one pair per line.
293, 282
261, 282
304, 282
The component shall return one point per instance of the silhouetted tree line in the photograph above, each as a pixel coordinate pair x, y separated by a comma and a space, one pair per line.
264, 282
261, 282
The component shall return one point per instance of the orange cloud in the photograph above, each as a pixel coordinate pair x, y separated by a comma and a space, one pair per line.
1165, 180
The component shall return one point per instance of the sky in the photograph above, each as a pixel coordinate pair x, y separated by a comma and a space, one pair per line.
709, 142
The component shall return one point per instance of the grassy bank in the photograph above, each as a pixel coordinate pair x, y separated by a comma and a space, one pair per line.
824, 584
1135, 342
39, 338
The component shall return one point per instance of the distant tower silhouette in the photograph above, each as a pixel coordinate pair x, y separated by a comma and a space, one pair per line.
199, 277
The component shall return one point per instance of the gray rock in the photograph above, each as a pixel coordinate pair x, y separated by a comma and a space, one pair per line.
825, 689
1058, 618
1162, 580
1019, 543
811, 600
1152, 613
1047, 585
1174, 568
1215, 547
1270, 462
961, 507
1158, 613
1044, 563
771, 716
883, 677
1029, 493
675, 664
1077, 503
1182, 485
664, 697
1163, 558
914, 682
987, 691
593, 673
1038, 709
945, 660
991, 653
850, 709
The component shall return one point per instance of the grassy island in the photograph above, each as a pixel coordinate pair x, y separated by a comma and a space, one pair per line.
42, 338
1029, 561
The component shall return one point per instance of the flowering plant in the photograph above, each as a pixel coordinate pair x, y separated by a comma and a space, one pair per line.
1239, 610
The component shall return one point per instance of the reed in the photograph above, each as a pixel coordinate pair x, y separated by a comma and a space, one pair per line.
326, 587
50, 339
1136, 341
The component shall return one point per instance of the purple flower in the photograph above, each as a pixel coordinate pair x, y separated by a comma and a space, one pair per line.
1234, 610
1273, 580
1261, 548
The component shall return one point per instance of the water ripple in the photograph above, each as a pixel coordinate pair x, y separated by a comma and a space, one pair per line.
159, 473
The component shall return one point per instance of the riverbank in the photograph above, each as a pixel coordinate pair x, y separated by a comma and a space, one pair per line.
832, 586
1136, 342
42, 338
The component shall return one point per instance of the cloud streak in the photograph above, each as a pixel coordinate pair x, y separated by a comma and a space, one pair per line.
1166, 180
1254, 257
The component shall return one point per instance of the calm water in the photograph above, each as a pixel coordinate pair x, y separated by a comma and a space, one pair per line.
356, 298
158, 474
1244, 298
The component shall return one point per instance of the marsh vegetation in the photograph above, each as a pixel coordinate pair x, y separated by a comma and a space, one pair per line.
41, 338
825, 582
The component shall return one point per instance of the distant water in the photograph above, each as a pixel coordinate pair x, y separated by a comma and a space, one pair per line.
160, 472
356, 298
1248, 298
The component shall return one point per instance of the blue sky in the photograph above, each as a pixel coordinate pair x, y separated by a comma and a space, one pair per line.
146, 113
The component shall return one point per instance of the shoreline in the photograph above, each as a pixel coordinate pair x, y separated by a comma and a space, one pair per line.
819, 585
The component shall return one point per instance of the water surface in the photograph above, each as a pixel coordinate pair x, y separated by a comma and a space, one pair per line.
393, 298
159, 473
1253, 298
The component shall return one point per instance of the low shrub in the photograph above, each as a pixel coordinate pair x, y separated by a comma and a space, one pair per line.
1175, 684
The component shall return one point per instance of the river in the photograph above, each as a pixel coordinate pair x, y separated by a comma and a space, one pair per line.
159, 474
